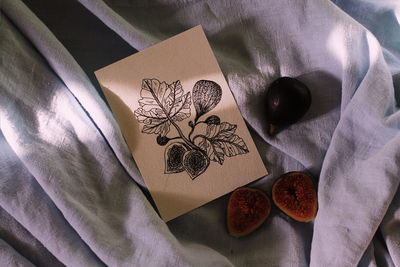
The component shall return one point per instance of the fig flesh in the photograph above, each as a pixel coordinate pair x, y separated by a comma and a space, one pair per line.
174, 157
294, 194
248, 208
195, 162
288, 100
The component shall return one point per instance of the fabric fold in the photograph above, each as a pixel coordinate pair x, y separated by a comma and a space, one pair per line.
64, 142
64, 65
58, 144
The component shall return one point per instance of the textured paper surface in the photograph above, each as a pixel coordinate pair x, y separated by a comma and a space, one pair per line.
180, 62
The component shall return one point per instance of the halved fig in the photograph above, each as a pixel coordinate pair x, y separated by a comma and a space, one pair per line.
195, 162
174, 157
248, 208
294, 194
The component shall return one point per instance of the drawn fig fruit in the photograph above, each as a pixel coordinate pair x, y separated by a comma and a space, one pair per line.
162, 140
248, 208
288, 100
213, 119
294, 194
206, 95
195, 162
174, 157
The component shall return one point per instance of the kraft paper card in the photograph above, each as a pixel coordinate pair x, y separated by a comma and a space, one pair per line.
181, 122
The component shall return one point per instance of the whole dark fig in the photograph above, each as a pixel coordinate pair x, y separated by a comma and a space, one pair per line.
288, 100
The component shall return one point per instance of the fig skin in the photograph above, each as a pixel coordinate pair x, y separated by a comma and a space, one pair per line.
248, 208
294, 194
287, 101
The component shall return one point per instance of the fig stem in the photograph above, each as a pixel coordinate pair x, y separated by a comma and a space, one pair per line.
187, 141
272, 129
197, 117
176, 137
201, 136
191, 131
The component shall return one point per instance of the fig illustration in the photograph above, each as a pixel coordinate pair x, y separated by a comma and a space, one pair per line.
248, 208
195, 162
174, 157
213, 119
206, 95
162, 140
294, 194
288, 100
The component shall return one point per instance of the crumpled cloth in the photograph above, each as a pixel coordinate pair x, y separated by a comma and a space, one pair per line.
71, 194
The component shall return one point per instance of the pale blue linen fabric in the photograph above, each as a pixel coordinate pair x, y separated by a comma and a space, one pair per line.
67, 177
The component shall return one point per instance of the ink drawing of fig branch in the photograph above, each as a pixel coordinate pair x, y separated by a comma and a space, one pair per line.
162, 105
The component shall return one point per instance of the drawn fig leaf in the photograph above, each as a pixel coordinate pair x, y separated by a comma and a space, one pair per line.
154, 121
224, 129
220, 140
160, 104
214, 152
206, 95
233, 145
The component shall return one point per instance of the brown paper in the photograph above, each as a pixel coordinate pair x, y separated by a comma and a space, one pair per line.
148, 90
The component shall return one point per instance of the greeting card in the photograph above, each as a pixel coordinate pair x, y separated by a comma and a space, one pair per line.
181, 122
